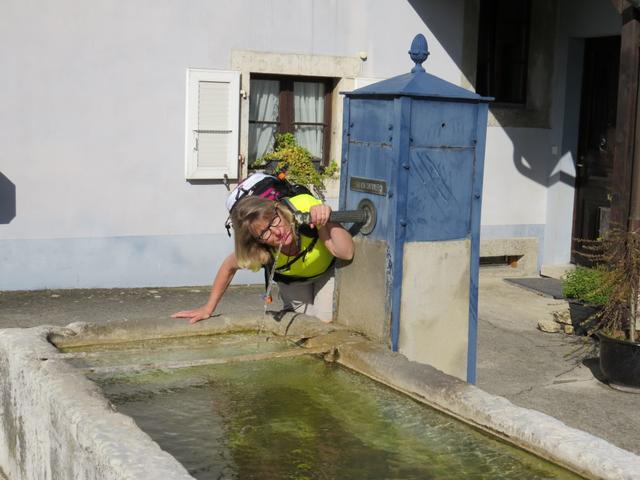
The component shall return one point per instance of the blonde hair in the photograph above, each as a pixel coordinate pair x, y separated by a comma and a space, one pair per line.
251, 253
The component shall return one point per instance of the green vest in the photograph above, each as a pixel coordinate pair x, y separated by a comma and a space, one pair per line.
315, 261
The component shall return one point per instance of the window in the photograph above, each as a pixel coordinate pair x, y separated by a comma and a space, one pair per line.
299, 105
213, 112
503, 50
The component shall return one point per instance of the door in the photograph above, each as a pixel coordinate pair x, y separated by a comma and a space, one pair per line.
596, 141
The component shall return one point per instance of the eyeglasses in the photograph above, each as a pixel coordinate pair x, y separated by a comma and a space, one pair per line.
265, 234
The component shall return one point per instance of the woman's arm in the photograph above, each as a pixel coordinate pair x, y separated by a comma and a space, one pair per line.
223, 278
337, 240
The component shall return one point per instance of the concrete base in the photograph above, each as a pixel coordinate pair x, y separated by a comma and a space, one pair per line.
55, 423
434, 314
362, 298
526, 248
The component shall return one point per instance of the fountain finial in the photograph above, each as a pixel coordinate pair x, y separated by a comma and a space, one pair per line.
419, 52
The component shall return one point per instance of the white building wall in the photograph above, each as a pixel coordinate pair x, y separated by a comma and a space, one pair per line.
93, 112
512, 174
515, 194
529, 172
92, 122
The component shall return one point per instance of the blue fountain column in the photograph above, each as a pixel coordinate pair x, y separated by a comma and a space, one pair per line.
414, 145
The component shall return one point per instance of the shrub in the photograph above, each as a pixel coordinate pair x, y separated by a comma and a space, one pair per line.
297, 163
588, 285
617, 255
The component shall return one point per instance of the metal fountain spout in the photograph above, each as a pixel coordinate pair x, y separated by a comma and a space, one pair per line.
365, 215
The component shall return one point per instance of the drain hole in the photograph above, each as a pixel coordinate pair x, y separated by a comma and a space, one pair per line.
500, 261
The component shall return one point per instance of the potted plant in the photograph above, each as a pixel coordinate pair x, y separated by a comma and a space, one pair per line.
295, 163
616, 322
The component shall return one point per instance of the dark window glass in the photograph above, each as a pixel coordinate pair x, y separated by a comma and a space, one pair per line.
503, 50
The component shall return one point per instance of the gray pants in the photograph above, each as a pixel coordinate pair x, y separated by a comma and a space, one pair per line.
311, 297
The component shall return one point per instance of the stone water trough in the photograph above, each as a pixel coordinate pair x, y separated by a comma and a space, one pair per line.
55, 423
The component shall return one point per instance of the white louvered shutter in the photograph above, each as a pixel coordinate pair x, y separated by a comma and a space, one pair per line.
213, 119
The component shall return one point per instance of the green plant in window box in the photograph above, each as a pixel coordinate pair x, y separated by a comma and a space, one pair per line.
616, 322
297, 163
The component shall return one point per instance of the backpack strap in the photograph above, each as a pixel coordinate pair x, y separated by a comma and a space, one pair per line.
227, 225
267, 276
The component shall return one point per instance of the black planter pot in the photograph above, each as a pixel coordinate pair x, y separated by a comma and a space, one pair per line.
620, 363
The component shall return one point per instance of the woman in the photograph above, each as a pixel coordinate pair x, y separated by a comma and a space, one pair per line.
303, 257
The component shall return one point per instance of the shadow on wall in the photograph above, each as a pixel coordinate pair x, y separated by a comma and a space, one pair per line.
541, 172
7, 200
543, 169
463, 50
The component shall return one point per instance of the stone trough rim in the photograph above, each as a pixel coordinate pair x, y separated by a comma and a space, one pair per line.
530, 430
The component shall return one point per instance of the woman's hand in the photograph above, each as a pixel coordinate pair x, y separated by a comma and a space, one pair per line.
194, 316
223, 278
319, 215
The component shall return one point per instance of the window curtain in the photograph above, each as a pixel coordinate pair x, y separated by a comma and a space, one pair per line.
308, 105
263, 107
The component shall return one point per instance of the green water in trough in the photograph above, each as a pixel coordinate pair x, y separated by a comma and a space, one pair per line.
298, 418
